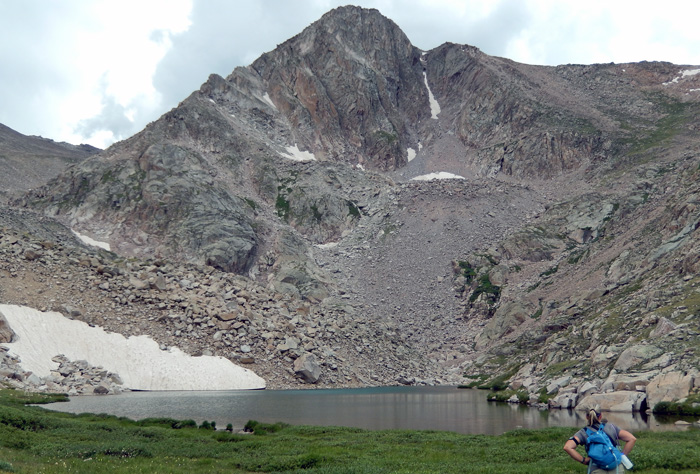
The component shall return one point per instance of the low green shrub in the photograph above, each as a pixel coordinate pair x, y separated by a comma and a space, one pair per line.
168, 422
468, 271
505, 396
353, 210
21, 420
263, 428
485, 286
208, 425
686, 408
543, 396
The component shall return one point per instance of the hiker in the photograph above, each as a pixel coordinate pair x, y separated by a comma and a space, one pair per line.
595, 421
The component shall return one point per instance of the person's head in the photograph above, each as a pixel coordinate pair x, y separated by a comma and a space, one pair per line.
594, 416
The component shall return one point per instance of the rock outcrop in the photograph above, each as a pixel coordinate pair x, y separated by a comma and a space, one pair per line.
670, 386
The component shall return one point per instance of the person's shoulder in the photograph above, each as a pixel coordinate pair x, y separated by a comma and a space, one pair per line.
580, 435
612, 428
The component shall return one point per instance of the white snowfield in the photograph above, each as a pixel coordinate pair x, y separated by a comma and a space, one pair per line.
439, 175
294, 153
267, 99
138, 360
683, 74
93, 242
434, 106
411, 153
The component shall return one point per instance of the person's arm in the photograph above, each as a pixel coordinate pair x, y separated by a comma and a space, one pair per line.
629, 440
570, 448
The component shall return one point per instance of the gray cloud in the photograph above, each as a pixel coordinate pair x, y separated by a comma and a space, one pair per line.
33, 73
112, 118
428, 27
224, 35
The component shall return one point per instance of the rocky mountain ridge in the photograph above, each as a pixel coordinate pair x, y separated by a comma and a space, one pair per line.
569, 242
29, 162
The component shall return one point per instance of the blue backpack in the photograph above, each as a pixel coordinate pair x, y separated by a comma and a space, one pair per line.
601, 450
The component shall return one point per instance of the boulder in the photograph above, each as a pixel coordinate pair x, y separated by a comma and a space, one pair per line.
631, 382
506, 319
307, 367
663, 327
524, 377
587, 388
636, 355
668, 387
564, 400
6, 332
555, 385
623, 401
138, 284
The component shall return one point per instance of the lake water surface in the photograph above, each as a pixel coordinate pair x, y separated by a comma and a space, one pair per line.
416, 408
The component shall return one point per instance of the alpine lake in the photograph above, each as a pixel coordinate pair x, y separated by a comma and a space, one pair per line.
441, 408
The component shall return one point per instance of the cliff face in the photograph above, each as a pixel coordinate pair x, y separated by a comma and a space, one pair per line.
574, 230
351, 88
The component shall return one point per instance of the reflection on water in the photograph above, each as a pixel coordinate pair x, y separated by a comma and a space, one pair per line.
421, 408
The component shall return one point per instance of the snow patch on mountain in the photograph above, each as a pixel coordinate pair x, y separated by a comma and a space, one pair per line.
95, 243
138, 360
439, 175
267, 99
294, 153
684, 74
434, 106
411, 153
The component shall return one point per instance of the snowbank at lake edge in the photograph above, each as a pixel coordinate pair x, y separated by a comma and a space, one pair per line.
138, 360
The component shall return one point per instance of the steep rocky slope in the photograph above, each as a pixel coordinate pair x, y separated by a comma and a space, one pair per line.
29, 162
199, 310
568, 249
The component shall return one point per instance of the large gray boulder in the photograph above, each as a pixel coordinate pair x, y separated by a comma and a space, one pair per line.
623, 401
307, 367
635, 355
663, 327
668, 387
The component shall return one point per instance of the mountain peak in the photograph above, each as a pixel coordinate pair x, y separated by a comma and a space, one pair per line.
350, 84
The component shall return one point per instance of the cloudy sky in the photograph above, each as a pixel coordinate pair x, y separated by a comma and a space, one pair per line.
97, 71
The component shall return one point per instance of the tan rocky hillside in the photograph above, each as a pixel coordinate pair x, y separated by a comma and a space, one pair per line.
29, 162
567, 254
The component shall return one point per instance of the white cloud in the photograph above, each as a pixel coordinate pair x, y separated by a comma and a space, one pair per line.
600, 31
71, 59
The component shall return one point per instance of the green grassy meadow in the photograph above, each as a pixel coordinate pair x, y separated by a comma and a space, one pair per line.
34, 440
